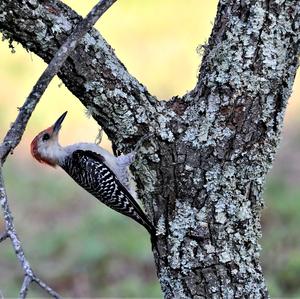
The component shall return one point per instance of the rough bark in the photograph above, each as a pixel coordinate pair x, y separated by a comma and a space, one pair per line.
201, 175
93, 73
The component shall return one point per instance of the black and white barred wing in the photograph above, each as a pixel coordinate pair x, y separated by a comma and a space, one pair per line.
88, 169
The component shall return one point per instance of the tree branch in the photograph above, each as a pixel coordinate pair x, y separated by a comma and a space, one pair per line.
25, 285
92, 72
44, 286
15, 133
248, 70
204, 171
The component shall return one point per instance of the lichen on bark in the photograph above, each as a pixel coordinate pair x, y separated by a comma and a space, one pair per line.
201, 174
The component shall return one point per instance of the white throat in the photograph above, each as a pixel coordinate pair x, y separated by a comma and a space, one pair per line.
53, 151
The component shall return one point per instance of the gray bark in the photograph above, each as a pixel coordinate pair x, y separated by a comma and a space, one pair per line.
201, 174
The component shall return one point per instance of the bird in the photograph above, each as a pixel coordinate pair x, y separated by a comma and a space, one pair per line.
92, 167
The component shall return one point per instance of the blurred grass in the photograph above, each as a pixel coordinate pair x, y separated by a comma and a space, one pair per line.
281, 238
80, 246
281, 219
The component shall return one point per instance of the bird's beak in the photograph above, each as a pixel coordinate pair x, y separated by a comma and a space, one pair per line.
57, 125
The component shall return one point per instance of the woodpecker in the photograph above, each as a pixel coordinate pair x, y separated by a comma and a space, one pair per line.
96, 170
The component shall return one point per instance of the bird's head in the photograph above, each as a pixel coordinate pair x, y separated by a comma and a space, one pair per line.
45, 147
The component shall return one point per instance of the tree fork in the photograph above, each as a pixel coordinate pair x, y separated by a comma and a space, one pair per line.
201, 174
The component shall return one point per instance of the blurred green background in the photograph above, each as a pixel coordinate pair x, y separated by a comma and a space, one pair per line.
79, 246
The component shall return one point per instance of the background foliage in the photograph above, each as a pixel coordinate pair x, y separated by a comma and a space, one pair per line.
80, 246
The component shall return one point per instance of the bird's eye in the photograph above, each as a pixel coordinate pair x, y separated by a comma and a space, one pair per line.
46, 136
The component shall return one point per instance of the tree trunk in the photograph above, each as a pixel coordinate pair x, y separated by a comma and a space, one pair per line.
201, 174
